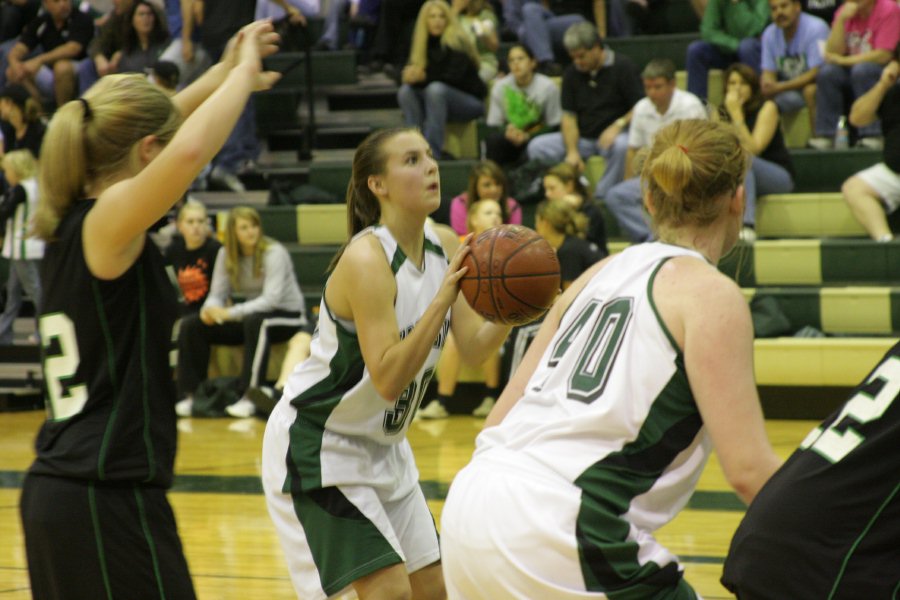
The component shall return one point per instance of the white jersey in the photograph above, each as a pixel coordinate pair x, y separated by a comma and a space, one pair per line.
16, 243
341, 425
609, 408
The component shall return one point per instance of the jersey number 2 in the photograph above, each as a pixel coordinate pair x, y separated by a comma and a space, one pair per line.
841, 437
68, 403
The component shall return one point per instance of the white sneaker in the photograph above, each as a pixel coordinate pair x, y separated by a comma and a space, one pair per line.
748, 234
241, 409
484, 409
433, 410
820, 143
871, 143
183, 407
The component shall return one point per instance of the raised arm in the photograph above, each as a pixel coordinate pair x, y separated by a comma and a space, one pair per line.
865, 109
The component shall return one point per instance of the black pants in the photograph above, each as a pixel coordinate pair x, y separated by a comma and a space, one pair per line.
86, 539
257, 332
502, 151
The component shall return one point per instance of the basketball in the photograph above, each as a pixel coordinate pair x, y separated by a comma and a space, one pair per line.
513, 275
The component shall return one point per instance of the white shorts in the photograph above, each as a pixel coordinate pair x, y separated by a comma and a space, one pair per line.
884, 181
333, 536
508, 533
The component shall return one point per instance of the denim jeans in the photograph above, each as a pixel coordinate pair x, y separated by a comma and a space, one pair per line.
549, 148
625, 202
541, 29
23, 275
764, 177
832, 83
430, 108
703, 56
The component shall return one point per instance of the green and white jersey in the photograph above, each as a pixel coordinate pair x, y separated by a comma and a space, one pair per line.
609, 410
343, 427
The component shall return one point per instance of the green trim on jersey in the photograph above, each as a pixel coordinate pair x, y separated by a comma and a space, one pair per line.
98, 537
858, 541
145, 390
111, 366
609, 561
148, 537
659, 319
329, 519
435, 248
397, 260
314, 406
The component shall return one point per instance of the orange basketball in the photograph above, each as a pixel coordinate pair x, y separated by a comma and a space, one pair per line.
513, 275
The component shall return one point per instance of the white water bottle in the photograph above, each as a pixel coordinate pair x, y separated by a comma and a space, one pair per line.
842, 134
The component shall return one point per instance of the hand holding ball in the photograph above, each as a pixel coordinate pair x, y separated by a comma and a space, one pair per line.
513, 275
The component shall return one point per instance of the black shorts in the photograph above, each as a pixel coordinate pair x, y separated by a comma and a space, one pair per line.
86, 539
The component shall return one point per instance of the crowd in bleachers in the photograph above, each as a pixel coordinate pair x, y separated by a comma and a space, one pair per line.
546, 86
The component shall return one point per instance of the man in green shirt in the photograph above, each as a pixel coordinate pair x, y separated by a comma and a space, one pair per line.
730, 32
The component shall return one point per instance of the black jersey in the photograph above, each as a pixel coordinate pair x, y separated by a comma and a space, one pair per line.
193, 268
106, 350
827, 525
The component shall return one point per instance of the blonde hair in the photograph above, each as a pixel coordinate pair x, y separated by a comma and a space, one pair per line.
562, 217
20, 162
691, 165
93, 139
567, 174
473, 208
454, 36
191, 204
233, 247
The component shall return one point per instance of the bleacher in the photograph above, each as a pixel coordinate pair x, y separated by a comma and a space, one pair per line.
812, 256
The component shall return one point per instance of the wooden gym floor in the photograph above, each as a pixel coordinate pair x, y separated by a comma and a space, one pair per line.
230, 543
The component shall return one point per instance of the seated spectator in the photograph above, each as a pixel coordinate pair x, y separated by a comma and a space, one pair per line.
482, 215
729, 32
862, 40
363, 17
791, 56
184, 51
599, 89
486, 182
44, 59
541, 30
875, 191
562, 182
523, 104
20, 121
440, 83
664, 104
254, 300
564, 227
105, 48
193, 254
757, 123
23, 252
146, 36
14, 15
479, 21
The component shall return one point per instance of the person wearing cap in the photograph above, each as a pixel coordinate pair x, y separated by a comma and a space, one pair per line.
60, 36
20, 121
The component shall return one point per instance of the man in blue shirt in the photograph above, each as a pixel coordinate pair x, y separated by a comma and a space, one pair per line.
791, 54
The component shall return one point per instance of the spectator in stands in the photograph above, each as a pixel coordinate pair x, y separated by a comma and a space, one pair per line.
193, 254
24, 253
441, 82
563, 182
876, 191
523, 104
58, 38
564, 228
729, 32
254, 300
363, 17
184, 51
479, 21
757, 123
599, 89
791, 56
483, 214
486, 182
20, 121
14, 15
862, 40
663, 104
540, 29
104, 51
